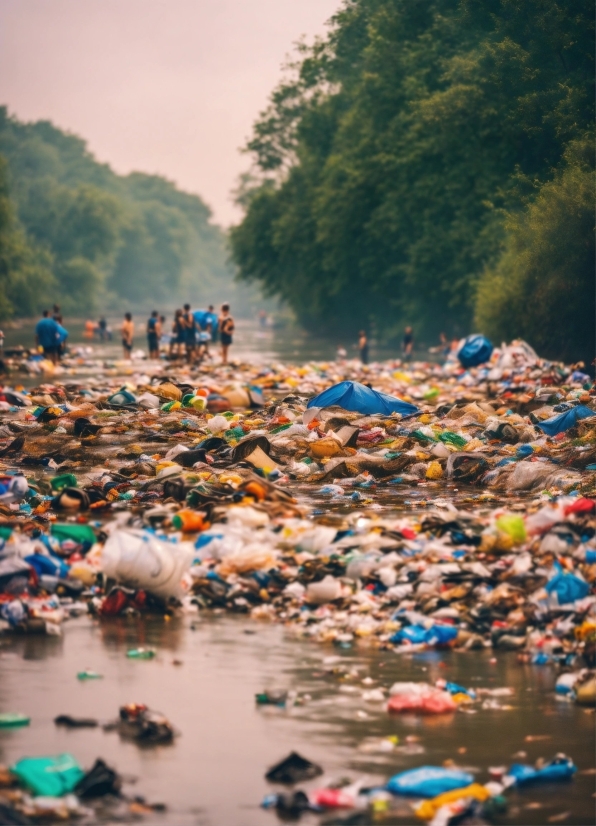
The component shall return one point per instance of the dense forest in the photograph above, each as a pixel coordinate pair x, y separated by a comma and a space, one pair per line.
73, 231
432, 163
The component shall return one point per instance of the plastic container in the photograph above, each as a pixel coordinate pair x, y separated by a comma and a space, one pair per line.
13, 720
65, 480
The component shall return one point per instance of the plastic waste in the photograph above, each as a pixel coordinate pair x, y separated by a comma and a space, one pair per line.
13, 720
566, 420
351, 395
293, 769
474, 350
49, 776
419, 698
566, 587
428, 808
141, 560
560, 768
428, 781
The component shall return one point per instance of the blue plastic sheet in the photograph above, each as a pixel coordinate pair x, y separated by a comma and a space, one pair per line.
428, 781
351, 395
565, 421
558, 769
475, 350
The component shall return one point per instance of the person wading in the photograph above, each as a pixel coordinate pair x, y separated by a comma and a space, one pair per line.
127, 330
226, 329
153, 335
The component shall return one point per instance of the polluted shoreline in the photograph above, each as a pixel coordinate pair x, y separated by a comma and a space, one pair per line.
398, 509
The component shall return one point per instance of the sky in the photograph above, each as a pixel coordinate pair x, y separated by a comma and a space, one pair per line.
170, 87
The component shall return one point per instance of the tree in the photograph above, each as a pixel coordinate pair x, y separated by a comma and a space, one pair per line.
542, 287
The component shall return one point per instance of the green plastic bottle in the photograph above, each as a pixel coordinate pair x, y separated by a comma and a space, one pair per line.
140, 653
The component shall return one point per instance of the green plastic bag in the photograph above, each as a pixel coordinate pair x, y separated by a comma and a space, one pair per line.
450, 438
514, 526
49, 776
78, 533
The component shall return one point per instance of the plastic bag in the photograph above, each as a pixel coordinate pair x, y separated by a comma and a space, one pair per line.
419, 698
428, 781
565, 421
49, 776
475, 349
141, 560
561, 768
567, 587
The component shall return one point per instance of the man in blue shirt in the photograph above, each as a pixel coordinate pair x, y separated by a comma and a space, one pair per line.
47, 336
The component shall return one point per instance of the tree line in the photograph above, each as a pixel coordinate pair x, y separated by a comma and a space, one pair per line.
73, 231
432, 163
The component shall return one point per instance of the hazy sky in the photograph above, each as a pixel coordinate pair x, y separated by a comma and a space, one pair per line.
163, 86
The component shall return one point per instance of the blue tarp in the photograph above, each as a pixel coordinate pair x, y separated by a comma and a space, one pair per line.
475, 350
565, 421
351, 395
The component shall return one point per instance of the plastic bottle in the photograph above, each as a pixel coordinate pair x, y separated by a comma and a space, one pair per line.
140, 654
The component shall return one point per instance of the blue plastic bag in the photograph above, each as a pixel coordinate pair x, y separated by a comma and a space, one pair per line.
561, 768
428, 781
351, 395
567, 587
49, 565
565, 421
475, 350
417, 634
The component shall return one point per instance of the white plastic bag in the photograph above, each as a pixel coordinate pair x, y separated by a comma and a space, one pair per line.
139, 559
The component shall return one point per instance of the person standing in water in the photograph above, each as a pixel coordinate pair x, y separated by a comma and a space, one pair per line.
363, 346
153, 335
226, 329
127, 329
190, 332
47, 336
408, 343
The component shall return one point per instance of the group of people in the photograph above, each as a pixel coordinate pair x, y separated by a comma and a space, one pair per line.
191, 333
50, 335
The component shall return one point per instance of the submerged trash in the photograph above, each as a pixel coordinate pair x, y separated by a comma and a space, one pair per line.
293, 769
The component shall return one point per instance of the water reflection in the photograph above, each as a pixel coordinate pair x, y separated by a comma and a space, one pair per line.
213, 773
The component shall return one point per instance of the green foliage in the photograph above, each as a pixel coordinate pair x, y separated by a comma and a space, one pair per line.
25, 276
86, 237
542, 287
384, 163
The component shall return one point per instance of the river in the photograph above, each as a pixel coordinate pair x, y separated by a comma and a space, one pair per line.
209, 667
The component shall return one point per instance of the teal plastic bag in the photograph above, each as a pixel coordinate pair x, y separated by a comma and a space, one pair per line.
49, 776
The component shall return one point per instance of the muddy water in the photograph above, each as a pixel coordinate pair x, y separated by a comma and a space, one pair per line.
212, 775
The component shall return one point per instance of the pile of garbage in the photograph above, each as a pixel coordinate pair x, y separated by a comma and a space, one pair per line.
402, 507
